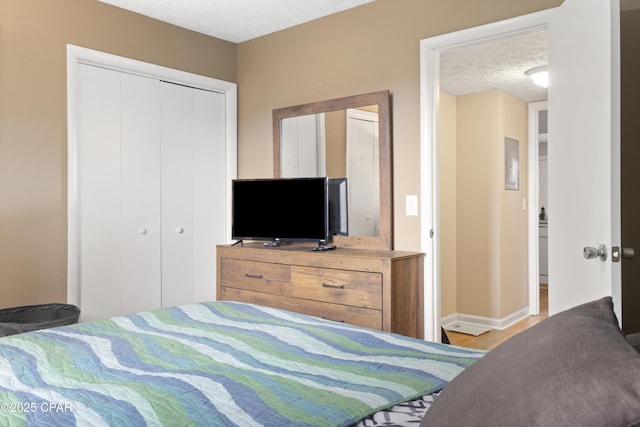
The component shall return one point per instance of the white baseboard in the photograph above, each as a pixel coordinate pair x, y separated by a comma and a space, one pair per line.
489, 322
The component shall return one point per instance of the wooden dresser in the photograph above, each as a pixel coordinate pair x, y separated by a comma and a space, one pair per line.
376, 289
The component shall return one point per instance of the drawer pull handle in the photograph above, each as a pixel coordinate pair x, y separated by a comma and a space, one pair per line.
326, 285
253, 276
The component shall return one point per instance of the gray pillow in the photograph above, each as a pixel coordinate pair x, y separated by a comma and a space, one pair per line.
573, 369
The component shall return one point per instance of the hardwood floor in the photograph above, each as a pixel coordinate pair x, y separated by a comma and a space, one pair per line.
493, 338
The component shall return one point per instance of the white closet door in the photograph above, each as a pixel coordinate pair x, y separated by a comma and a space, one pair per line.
177, 153
120, 193
363, 172
140, 181
302, 142
210, 185
193, 132
98, 132
289, 167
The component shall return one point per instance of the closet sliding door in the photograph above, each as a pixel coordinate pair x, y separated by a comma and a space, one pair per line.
192, 141
178, 155
140, 233
151, 178
98, 133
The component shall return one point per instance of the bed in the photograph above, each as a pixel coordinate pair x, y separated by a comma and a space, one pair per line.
221, 363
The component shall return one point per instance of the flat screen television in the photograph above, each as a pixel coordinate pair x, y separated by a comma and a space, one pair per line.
281, 209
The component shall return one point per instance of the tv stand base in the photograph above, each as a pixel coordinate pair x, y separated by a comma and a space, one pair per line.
324, 247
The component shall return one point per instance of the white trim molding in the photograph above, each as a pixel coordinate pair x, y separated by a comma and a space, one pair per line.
489, 322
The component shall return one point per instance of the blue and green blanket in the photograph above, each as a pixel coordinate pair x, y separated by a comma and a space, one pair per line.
215, 364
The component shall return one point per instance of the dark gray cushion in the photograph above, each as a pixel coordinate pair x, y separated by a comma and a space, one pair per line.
634, 340
573, 369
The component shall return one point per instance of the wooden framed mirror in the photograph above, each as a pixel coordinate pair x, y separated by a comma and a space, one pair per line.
329, 150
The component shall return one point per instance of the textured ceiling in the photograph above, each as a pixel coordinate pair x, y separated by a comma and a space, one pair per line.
498, 64
236, 20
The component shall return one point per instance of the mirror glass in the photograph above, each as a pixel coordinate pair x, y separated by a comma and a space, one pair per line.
343, 138
338, 144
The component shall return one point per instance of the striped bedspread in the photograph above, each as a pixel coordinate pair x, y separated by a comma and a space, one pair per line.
218, 364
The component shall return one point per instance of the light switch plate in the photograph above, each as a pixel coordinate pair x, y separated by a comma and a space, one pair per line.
412, 205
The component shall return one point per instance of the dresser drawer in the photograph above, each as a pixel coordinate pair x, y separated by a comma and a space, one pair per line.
354, 288
256, 276
364, 317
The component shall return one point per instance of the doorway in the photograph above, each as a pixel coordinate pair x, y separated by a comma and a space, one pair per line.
585, 217
538, 226
430, 235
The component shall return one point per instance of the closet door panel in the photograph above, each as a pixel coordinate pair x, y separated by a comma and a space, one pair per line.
363, 173
140, 181
98, 133
177, 160
210, 185
303, 147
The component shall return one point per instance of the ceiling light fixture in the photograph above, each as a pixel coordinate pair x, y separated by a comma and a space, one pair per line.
539, 75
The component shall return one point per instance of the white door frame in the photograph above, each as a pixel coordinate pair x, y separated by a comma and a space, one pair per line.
79, 55
429, 140
533, 195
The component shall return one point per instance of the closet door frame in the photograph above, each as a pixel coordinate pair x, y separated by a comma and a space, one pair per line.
78, 55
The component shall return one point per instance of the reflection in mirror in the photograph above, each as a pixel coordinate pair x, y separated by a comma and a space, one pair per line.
349, 140
303, 146
346, 137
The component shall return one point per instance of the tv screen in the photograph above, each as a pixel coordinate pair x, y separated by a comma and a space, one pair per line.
286, 209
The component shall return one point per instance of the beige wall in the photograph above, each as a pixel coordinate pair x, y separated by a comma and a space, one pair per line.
336, 140
33, 39
369, 48
448, 206
513, 219
478, 202
365, 49
483, 226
